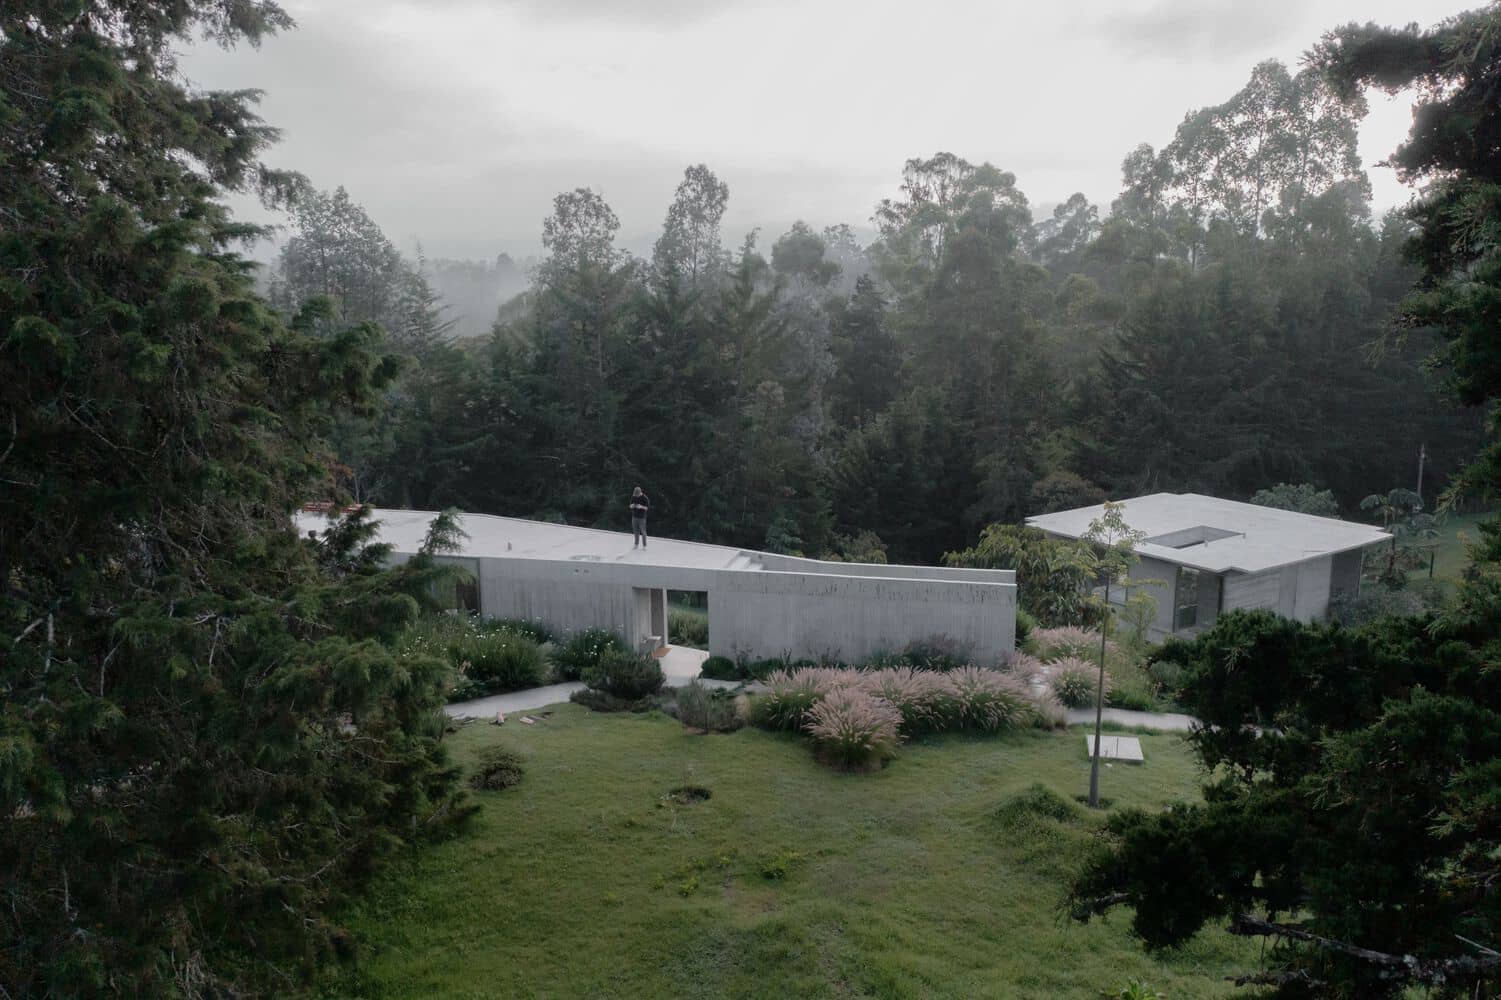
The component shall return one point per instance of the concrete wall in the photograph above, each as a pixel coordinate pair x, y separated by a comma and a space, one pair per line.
1248, 591
766, 614
565, 597
1311, 590
1300, 591
1344, 574
761, 613
1163, 590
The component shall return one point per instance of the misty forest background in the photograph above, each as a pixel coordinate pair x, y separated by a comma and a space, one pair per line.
1223, 327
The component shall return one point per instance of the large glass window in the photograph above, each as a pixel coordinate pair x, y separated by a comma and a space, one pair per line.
1186, 613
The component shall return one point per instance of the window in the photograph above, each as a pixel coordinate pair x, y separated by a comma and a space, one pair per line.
1186, 610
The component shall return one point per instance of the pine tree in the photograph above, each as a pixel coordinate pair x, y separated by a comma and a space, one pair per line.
206, 738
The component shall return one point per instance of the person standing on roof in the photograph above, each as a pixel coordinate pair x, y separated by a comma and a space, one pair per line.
640, 505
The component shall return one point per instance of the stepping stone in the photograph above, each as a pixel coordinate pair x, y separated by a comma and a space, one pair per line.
1127, 748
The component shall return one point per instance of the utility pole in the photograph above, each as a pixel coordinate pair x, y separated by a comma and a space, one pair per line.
1422, 456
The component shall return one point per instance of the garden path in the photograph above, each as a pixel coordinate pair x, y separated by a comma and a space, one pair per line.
680, 665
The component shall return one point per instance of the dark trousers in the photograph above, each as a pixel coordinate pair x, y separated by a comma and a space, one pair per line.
638, 526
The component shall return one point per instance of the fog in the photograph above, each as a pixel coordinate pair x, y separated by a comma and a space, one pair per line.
455, 122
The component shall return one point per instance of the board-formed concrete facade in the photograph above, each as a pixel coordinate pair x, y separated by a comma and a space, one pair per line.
760, 604
1204, 556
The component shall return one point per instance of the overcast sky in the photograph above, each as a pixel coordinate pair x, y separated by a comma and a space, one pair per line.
456, 121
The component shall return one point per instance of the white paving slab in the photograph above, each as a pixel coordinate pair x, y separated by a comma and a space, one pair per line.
1126, 748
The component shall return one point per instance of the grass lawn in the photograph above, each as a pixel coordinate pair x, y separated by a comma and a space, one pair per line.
1456, 532
791, 881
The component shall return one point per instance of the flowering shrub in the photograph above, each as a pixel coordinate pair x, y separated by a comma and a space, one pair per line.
533, 628
486, 657
1073, 681
853, 729
1070, 641
573, 656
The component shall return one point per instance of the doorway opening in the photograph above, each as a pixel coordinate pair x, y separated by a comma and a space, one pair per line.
688, 618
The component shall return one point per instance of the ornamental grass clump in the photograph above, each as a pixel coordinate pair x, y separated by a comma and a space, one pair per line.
791, 693
854, 730
923, 697
989, 700
1067, 641
1073, 681
1023, 665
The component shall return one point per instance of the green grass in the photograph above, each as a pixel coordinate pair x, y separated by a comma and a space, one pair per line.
1456, 532
677, 604
791, 880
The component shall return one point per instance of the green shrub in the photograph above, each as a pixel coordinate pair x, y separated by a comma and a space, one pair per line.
498, 769
1073, 682
582, 651
603, 701
1130, 686
625, 674
1035, 802
708, 709
466, 689
687, 630
501, 661
937, 652
760, 670
721, 668
1166, 675
777, 865
1025, 626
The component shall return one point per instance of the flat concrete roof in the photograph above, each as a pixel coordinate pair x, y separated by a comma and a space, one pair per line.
516, 538
1241, 537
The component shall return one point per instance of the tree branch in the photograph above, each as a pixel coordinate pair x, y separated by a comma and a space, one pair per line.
1409, 967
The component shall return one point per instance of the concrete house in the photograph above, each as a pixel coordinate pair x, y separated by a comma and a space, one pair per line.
1208, 556
760, 604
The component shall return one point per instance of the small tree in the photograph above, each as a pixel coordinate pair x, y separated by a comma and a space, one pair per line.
1113, 544
1401, 514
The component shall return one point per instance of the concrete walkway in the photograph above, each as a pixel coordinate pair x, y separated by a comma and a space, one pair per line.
680, 665
1166, 721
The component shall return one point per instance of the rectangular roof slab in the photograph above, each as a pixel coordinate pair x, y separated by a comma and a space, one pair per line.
1239, 537
516, 538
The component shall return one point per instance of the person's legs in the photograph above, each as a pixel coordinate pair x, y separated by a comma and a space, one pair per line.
638, 529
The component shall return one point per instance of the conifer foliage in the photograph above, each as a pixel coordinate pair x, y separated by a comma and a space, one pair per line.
205, 738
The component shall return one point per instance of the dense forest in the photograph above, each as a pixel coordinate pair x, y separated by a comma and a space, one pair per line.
216, 732
1221, 328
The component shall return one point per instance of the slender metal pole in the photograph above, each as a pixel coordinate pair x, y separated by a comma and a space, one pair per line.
1422, 457
1099, 707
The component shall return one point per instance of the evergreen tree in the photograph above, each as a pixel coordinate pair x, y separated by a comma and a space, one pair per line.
206, 739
